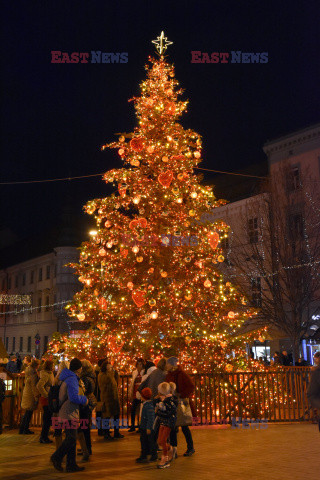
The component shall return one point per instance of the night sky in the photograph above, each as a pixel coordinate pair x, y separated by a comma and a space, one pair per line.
55, 117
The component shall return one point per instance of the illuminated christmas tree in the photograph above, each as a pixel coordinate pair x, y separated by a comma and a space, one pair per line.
151, 283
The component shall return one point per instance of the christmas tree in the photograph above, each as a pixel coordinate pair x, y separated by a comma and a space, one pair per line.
150, 273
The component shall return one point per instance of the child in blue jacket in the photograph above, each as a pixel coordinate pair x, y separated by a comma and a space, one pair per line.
147, 438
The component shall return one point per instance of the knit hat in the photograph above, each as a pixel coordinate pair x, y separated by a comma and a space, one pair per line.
173, 361
146, 393
75, 364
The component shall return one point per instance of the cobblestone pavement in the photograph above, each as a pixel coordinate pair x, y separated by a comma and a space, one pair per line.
288, 451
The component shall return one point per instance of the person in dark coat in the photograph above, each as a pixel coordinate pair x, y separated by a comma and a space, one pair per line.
147, 439
155, 378
12, 365
88, 378
109, 395
313, 391
184, 389
30, 396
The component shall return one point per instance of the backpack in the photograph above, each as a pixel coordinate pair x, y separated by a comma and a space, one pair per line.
53, 398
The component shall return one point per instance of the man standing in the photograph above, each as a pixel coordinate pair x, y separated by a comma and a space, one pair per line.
69, 401
185, 389
313, 392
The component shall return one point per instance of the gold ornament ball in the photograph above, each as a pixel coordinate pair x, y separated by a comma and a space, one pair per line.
154, 315
207, 283
164, 274
165, 159
193, 195
130, 285
122, 139
139, 259
102, 252
192, 213
197, 154
135, 249
221, 258
187, 259
175, 190
150, 149
188, 297
231, 314
180, 176
152, 302
81, 317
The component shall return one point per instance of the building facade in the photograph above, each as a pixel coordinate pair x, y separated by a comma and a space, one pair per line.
274, 237
26, 328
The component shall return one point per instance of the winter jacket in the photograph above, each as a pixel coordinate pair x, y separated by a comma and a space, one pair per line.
45, 382
12, 367
144, 378
30, 392
313, 391
153, 381
109, 394
69, 398
167, 411
183, 382
133, 382
147, 415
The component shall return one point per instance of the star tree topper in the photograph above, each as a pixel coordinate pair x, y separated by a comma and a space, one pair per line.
161, 43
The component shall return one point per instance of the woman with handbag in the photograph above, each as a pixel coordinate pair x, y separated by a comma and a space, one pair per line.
184, 389
43, 386
30, 397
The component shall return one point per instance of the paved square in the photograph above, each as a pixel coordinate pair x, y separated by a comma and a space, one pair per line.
289, 451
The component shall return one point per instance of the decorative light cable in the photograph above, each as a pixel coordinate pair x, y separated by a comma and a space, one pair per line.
32, 309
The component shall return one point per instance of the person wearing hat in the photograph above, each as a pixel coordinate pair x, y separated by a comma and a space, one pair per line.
184, 389
69, 401
147, 439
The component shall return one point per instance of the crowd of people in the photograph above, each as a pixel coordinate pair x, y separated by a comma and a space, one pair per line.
69, 392
160, 396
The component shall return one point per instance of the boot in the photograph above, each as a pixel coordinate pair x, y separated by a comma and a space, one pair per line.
84, 447
107, 435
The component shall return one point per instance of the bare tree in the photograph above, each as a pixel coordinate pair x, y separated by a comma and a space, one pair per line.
274, 252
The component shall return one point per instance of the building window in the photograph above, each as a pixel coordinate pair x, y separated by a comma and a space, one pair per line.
13, 344
47, 303
4, 284
23, 279
21, 344
40, 274
55, 271
16, 283
294, 180
39, 303
253, 230
45, 343
48, 272
9, 283
7, 343
29, 344
296, 226
256, 291
32, 276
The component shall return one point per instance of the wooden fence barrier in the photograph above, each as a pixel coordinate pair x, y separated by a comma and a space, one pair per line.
273, 395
